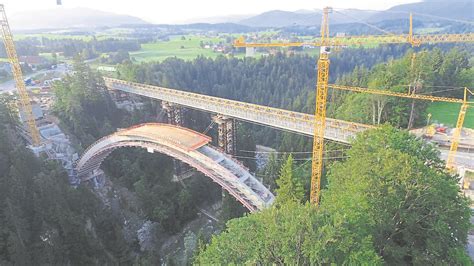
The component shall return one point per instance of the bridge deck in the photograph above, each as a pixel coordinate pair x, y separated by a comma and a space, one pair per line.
181, 137
302, 123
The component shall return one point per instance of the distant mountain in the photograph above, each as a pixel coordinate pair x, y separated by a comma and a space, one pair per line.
62, 18
206, 27
278, 18
217, 19
452, 9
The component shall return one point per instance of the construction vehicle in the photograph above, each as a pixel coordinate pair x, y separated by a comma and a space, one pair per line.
326, 43
430, 132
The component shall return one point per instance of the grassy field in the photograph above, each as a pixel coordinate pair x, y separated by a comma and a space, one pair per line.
447, 113
187, 49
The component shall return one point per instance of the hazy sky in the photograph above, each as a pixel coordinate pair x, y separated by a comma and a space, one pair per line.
175, 11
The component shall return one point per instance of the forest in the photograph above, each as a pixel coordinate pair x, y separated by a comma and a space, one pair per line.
390, 203
71, 47
288, 82
406, 210
43, 220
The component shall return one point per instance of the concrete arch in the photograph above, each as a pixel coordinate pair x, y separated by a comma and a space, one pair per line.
187, 146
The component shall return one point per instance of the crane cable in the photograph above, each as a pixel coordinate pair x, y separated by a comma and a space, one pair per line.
209, 127
365, 23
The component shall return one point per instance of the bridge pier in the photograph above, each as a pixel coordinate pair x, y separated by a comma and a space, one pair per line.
225, 137
226, 133
174, 113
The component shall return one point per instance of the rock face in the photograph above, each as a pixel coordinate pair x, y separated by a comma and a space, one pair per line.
146, 236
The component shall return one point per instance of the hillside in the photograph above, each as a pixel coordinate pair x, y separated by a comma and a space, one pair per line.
62, 18
458, 10
278, 18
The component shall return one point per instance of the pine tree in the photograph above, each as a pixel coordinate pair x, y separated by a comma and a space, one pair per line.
289, 189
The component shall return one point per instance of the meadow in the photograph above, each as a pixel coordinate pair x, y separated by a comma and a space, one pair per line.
187, 49
447, 113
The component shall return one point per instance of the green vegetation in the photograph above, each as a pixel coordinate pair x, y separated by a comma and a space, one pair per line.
447, 113
43, 220
84, 106
86, 112
53, 36
87, 38
431, 71
185, 47
391, 203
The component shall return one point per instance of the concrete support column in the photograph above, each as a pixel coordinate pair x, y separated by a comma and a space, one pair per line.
226, 133
174, 113
174, 116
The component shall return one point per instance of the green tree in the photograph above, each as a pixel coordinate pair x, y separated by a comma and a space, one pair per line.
289, 189
392, 202
394, 188
84, 106
270, 171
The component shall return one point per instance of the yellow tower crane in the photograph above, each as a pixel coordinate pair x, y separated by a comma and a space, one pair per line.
320, 112
323, 75
18, 76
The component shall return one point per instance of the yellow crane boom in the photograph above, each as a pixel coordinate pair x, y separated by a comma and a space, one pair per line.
18, 76
414, 40
397, 94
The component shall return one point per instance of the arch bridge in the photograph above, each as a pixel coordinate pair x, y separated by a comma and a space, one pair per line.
187, 146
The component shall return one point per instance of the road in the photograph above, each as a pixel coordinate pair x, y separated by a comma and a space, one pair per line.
462, 158
8, 86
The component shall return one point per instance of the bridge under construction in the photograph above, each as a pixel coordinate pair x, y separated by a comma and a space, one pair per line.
187, 146
192, 148
295, 122
336, 130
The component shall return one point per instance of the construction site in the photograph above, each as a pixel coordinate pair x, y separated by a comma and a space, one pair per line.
193, 151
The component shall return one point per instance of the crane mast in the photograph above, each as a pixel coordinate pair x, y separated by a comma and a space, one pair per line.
18, 76
457, 133
323, 76
320, 111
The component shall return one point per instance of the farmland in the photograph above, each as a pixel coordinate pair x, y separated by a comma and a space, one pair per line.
187, 48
